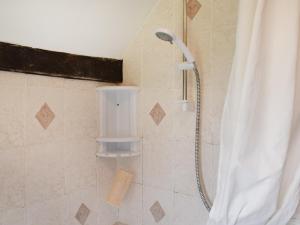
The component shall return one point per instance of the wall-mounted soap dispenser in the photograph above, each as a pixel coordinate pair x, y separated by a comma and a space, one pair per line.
118, 121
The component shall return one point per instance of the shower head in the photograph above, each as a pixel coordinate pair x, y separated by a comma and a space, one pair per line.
165, 35
168, 36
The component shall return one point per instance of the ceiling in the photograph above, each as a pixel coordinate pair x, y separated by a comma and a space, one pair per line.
87, 27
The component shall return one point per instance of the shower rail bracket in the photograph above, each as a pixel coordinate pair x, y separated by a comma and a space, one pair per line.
187, 106
186, 66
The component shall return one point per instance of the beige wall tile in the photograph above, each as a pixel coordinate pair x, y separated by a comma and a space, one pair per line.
119, 223
157, 56
210, 160
200, 43
88, 197
166, 99
132, 63
184, 167
80, 113
11, 117
157, 212
163, 15
133, 165
107, 214
225, 12
82, 214
81, 84
158, 65
193, 7
188, 210
130, 211
80, 164
36, 97
52, 212
158, 164
222, 54
212, 108
12, 178
45, 116
15, 216
44, 172
203, 19
157, 113
152, 131
12, 79
165, 198
106, 169
183, 122
43, 81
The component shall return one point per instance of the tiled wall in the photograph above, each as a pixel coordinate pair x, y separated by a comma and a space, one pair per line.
165, 172
47, 174
52, 177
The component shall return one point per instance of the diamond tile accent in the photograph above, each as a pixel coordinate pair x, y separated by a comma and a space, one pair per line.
82, 214
157, 212
45, 116
157, 113
119, 223
192, 8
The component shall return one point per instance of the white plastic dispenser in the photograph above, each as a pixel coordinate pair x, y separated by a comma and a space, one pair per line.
118, 121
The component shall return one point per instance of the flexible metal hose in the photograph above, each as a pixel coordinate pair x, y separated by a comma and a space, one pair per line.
199, 175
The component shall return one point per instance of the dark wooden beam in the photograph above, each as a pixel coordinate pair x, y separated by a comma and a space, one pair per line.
58, 64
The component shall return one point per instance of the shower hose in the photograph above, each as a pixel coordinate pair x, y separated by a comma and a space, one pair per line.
199, 173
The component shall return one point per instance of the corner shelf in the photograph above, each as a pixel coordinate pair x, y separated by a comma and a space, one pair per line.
116, 154
118, 121
117, 140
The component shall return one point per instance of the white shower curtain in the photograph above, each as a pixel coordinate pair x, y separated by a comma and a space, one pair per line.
259, 168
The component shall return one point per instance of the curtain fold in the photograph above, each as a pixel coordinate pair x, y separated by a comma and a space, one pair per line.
259, 176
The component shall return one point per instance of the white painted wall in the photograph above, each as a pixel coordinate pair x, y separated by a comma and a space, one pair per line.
89, 27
